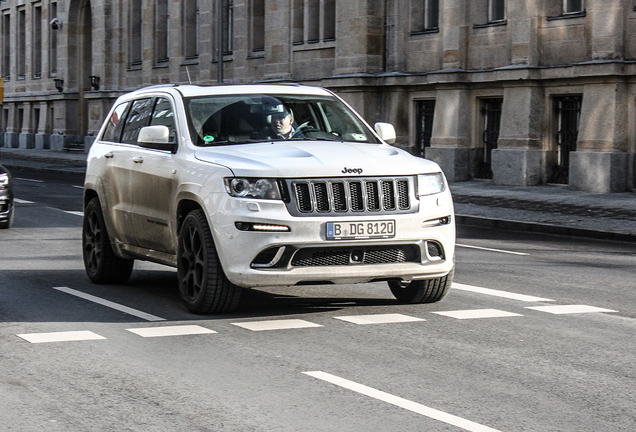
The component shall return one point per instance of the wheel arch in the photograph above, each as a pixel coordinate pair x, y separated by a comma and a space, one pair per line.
185, 206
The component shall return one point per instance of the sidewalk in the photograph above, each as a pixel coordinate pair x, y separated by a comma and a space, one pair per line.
547, 209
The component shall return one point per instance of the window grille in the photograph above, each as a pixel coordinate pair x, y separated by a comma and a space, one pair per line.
425, 113
568, 112
491, 111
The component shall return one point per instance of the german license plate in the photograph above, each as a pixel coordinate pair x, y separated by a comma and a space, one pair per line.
360, 230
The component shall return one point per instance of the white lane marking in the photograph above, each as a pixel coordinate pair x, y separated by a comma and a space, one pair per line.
60, 336
401, 402
182, 330
21, 201
492, 250
276, 325
76, 213
78, 187
570, 309
498, 293
477, 313
379, 319
29, 180
110, 304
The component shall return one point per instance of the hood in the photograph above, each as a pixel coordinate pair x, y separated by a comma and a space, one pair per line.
298, 159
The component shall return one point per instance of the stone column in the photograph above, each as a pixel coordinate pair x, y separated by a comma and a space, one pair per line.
454, 33
600, 162
450, 141
26, 139
519, 159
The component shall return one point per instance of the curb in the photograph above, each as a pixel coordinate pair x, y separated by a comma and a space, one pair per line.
15, 165
542, 228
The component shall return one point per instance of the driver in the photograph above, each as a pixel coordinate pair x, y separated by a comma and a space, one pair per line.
282, 125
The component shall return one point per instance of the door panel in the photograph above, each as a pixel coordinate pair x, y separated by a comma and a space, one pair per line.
154, 178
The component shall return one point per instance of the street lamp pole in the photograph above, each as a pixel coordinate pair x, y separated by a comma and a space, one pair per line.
219, 38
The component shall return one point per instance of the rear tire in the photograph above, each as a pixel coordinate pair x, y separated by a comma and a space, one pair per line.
101, 264
203, 286
422, 291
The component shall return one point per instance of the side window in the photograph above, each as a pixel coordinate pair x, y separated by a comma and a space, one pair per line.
115, 123
164, 115
138, 117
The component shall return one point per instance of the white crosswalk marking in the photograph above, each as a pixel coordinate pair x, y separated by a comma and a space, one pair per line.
60, 336
276, 325
183, 330
379, 319
477, 313
570, 309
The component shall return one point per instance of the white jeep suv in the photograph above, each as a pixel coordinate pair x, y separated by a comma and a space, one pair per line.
262, 185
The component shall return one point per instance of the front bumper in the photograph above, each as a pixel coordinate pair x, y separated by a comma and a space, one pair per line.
6, 207
420, 249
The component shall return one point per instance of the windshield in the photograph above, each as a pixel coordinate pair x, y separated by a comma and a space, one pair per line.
241, 119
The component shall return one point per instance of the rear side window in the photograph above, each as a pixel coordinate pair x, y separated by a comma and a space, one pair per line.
138, 117
164, 115
115, 123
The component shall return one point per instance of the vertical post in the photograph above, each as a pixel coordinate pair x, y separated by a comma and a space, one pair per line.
219, 37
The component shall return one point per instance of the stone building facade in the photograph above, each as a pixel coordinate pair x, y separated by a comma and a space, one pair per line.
523, 92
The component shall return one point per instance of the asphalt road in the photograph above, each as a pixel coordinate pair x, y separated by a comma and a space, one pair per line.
538, 334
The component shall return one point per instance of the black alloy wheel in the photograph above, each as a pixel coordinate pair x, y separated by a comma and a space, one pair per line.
203, 286
101, 264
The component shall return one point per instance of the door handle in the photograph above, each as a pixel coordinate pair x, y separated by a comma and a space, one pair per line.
109, 155
138, 159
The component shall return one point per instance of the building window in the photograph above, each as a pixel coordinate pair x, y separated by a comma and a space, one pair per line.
496, 10
228, 26
313, 21
572, 6
425, 112
329, 20
36, 42
257, 15
424, 15
135, 40
6, 46
162, 31
21, 43
191, 28
52, 40
565, 9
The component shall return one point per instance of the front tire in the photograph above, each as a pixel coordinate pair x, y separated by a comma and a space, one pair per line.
422, 291
101, 264
203, 286
6, 224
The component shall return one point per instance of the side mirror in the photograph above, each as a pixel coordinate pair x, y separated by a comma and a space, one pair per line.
386, 132
156, 137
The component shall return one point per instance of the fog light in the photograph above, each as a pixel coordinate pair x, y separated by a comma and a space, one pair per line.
436, 222
269, 257
434, 250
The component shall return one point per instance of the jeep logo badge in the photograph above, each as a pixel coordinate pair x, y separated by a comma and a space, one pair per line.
352, 170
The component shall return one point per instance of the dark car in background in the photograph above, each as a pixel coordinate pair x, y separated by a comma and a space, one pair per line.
6, 198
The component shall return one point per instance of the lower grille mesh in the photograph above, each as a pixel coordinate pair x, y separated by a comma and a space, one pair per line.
316, 257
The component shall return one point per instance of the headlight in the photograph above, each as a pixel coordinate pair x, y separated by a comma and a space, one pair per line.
429, 184
4, 180
253, 188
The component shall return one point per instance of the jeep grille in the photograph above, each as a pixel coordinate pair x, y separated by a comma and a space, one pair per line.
351, 196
